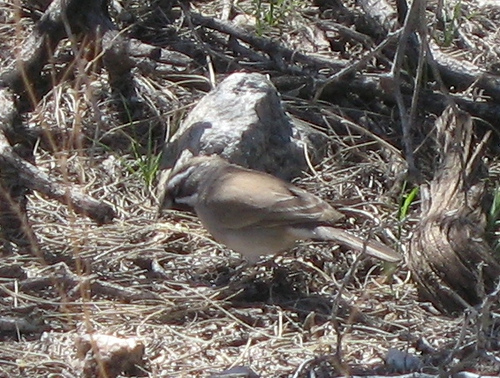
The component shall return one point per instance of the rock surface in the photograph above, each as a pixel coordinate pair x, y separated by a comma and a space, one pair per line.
243, 121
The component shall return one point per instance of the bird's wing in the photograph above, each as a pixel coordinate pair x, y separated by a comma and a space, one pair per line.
250, 198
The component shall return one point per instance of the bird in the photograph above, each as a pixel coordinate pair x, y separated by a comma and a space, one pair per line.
255, 213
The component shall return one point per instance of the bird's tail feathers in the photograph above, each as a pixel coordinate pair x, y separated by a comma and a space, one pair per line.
370, 247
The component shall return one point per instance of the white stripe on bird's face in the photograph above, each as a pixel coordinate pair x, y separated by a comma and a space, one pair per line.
177, 180
190, 201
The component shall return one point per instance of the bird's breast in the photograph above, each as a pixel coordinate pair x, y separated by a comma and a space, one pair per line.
251, 241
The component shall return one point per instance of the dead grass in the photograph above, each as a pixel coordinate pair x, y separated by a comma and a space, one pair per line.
315, 309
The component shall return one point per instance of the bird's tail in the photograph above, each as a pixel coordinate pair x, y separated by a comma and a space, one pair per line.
370, 247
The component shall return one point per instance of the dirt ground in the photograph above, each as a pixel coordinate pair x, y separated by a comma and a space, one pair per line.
183, 301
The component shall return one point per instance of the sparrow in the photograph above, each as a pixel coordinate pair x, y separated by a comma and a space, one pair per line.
255, 213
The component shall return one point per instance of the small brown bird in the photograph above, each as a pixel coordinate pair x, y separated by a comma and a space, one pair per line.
255, 213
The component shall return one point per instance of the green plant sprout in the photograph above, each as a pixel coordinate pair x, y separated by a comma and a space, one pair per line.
494, 219
407, 201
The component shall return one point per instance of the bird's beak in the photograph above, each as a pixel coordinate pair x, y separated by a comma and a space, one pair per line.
165, 202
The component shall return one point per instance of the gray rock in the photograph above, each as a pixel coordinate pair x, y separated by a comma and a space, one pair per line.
243, 121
